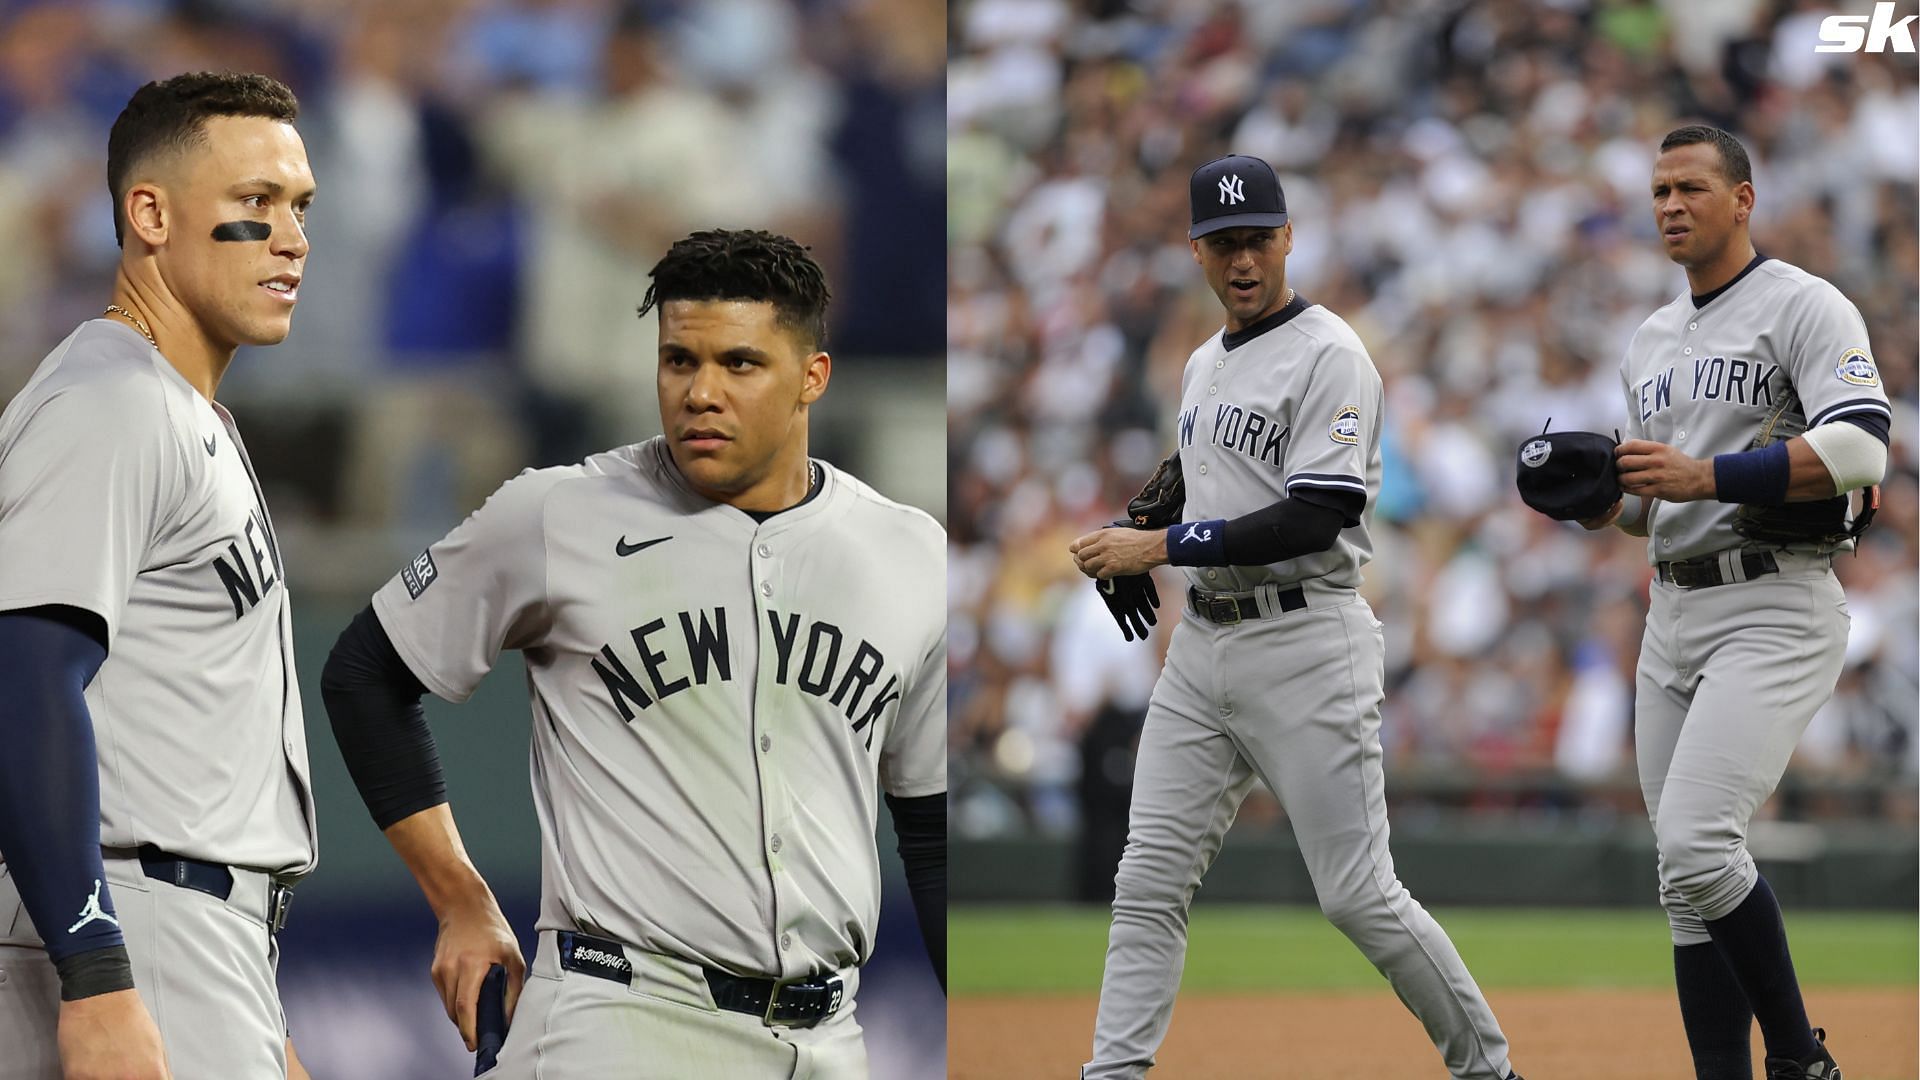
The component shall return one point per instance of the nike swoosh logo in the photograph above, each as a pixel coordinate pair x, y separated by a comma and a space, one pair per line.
210, 441
624, 549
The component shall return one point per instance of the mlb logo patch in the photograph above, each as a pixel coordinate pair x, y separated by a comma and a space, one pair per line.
1856, 367
419, 574
1346, 425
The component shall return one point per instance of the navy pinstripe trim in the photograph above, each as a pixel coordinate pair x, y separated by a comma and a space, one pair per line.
1854, 406
1327, 480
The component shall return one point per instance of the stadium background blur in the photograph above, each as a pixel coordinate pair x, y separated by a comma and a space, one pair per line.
1469, 188
495, 179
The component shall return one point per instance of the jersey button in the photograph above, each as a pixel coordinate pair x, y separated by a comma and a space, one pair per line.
1688, 351
1667, 542
766, 588
786, 941
1219, 363
1203, 470
765, 551
1213, 389
1211, 574
776, 842
766, 743
1682, 437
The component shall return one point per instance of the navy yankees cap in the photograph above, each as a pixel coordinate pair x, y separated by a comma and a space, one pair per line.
1235, 192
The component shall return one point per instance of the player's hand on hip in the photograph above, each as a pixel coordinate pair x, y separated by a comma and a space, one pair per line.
1106, 553
1656, 470
110, 1037
296, 1069
472, 939
1594, 524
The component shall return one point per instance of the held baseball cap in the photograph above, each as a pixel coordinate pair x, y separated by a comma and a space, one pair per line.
1235, 192
1568, 475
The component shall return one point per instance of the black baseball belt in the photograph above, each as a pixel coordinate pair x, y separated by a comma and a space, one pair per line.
1704, 572
1227, 610
800, 1003
214, 879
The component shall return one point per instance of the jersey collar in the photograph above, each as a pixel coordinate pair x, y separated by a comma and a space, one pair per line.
1233, 339
1703, 299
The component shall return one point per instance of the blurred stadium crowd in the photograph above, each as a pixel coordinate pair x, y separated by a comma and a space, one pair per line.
496, 177
1468, 184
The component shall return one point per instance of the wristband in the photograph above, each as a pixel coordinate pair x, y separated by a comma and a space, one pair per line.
1198, 543
94, 972
1753, 476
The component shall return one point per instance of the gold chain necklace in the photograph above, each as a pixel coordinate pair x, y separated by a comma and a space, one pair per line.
138, 323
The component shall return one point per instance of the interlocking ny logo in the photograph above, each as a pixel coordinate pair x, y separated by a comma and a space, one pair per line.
1230, 191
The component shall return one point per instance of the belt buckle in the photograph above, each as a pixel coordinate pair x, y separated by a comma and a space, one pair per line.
1223, 610
832, 991
279, 900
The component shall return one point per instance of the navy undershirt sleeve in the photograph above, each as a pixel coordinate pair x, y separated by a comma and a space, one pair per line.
1872, 423
1294, 526
49, 777
373, 702
920, 823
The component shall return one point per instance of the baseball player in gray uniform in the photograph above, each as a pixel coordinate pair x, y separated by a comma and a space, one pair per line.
1276, 669
154, 805
727, 644
1747, 626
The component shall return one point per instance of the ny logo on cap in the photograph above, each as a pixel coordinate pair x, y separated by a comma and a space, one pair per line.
1230, 190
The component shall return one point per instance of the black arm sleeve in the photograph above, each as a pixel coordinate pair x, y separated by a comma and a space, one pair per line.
50, 794
921, 825
1298, 525
373, 702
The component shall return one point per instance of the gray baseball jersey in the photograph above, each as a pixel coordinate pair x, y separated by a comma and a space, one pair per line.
126, 493
1292, 697
1297, 406
713, 697
1703, 379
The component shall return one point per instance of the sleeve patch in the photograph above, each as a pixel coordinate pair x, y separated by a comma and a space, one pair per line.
1346, 425
419, 574
1856, 368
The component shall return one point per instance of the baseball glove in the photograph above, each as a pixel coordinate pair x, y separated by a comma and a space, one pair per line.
1569, 475
1823, 522
1161, 502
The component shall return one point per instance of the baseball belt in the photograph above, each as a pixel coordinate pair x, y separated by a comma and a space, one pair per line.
214, 879
1227, 609
799, 1003
1704, 572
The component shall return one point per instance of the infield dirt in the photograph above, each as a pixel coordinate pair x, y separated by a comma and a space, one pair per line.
1556, 1035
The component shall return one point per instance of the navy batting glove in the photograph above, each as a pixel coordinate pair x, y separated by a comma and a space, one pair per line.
490, 1028
1131, 598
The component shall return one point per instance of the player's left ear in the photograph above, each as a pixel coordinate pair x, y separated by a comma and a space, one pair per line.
814, 376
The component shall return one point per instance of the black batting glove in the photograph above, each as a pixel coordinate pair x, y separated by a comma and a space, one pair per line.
1131, 598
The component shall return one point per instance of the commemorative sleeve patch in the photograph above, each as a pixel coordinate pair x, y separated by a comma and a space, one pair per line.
1856, 368
419, 574
1346, 425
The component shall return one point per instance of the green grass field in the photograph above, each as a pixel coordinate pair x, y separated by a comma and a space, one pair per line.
1039, 950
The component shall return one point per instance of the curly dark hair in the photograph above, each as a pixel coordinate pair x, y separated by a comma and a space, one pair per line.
1733, 157
171, 114
746, 264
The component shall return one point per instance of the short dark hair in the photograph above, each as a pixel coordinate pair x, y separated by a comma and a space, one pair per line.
745, 264
1733, 157
171, 114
